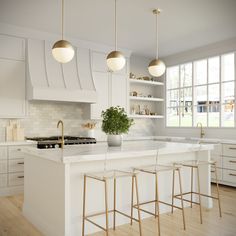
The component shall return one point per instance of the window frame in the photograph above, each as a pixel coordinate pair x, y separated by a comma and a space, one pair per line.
193, 86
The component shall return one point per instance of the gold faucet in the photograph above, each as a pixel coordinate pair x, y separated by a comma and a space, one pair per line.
202, 131
62, 132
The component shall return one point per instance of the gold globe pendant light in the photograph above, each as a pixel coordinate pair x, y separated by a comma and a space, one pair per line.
115, 59
62, 50
156, 67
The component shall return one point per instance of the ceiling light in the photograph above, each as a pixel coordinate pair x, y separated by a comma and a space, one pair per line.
156, 67
62, 50
115, 59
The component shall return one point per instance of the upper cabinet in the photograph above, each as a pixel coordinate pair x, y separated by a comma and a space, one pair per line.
12, 77
12, 47
111, 88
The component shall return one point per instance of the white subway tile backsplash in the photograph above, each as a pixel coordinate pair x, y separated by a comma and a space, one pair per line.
43, 117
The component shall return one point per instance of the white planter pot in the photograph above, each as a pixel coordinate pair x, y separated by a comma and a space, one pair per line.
114, 140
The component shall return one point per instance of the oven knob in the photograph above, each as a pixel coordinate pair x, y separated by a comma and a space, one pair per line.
46, 146
56, 146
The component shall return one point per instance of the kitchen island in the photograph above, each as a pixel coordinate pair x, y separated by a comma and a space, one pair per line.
53, 187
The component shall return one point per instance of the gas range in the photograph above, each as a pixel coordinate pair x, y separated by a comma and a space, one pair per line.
54, 141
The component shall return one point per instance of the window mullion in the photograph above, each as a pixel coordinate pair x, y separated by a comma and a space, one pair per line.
234, 88
208, 104
220, 102
179, 107
193, 95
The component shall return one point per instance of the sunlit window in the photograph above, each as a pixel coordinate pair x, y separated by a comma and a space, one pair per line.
201, 91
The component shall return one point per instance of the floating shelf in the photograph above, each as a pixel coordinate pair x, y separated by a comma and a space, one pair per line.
147, 116
146, 82
146, 99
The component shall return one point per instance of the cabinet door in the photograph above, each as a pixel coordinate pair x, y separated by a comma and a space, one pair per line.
119, 90
102, 88
12, 88
12, 47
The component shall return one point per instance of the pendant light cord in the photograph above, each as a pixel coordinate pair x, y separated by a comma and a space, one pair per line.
62, 19
157, 34
115, 26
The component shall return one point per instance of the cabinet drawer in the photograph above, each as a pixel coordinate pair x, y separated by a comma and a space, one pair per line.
229, 150
229, 163
16, 179
15, 152
3, 180
229, 176
3, 167
16, 165
219, 174
3, 153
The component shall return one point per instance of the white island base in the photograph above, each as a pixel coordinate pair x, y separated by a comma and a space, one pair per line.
53, 193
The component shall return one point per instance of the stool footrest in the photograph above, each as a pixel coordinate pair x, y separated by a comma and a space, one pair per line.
201, 194
154, 201
103, 213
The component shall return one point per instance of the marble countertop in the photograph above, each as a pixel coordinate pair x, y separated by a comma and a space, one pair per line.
16, 143
100, 151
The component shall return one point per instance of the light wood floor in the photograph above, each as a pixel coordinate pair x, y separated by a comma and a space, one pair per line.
12, 223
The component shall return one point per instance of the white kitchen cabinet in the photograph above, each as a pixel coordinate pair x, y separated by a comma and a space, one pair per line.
12, 47
102, 87
119, 90
111, 88
12, 169
12, 89
225, 156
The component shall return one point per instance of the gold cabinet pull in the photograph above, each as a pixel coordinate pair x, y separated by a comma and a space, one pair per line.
20, 177
232, 174
212, 171
232, 148
20, 163
18, 149
232, 161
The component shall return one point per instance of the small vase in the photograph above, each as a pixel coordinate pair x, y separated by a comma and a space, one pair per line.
114, 140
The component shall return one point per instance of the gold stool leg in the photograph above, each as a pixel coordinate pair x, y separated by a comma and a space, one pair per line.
114, 213
106, 207
137, 199
218, 191
173, 191
84, 200
158, 209
132, 201
181, 195
199, 194
191, 187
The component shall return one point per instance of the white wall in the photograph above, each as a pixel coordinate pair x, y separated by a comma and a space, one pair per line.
199, 53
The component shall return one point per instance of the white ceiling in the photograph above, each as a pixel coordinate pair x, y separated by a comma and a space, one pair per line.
184, 24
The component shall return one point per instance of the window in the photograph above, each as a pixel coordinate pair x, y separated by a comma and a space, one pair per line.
201, 91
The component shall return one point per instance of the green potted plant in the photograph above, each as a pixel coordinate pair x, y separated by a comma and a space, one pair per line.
115, 122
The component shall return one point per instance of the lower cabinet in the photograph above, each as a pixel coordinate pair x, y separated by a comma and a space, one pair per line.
11, 170
226, 164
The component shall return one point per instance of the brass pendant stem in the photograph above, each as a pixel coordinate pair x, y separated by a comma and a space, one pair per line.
115, 25
156, 12
62, 19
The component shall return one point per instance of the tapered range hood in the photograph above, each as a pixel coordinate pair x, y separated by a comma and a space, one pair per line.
49, 80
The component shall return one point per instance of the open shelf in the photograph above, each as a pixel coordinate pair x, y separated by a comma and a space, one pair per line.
147, 116
146, 99
146, 82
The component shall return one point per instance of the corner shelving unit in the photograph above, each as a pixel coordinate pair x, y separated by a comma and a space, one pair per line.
146, 99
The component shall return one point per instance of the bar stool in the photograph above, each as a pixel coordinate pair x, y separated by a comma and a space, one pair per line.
104, 177
154, 170
195, 164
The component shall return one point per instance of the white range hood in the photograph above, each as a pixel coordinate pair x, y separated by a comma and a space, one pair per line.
49, 80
